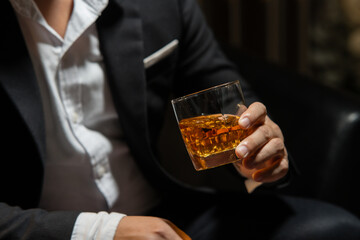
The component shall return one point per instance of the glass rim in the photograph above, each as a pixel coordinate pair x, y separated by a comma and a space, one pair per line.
204, 90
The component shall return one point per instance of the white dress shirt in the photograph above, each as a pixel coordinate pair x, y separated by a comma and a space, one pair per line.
88, 167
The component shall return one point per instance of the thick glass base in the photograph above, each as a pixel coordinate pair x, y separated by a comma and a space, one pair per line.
214, 160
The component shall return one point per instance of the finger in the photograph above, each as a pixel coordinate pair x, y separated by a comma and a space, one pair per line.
274, 149
179, 232
254, 142
241, 109
274, 172
255, 114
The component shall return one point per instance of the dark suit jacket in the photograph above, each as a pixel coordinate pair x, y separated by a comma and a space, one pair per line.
129, 31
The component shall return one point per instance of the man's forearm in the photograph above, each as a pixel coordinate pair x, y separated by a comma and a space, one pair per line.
39, 224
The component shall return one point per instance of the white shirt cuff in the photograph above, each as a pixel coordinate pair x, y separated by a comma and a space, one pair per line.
99, 226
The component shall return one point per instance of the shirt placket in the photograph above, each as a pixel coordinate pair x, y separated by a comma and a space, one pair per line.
67, 76
96, 147
69, 83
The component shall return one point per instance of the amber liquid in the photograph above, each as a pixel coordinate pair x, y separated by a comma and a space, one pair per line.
211, 140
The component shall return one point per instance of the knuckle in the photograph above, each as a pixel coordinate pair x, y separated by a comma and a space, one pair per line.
261, 107
277, 130
159, 227
264, 109
282, 168
284, 164
276, 127
266, 132
278, 144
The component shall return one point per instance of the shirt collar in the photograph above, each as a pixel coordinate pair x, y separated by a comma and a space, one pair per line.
96, 5
84, 13
28, 8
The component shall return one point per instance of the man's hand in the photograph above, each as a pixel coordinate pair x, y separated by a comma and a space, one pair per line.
152, 228
263, 153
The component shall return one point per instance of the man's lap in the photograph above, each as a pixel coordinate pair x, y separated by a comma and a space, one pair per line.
273, 217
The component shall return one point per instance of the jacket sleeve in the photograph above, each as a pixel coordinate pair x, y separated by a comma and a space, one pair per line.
38, 224
202, 62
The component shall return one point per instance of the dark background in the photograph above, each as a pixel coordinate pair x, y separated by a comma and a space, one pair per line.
302, 58
316, 38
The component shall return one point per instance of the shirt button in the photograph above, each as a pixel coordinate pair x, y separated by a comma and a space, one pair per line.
100, 170
75, 117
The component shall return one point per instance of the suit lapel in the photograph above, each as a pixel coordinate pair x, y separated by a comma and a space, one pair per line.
17, 76
121, 40
120, 34
122, 46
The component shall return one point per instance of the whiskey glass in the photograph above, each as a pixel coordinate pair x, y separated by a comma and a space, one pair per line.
208, 122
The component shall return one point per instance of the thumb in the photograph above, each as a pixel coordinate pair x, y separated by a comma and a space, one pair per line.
183, 235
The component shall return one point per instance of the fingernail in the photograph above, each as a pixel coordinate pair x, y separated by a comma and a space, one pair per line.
245, 122
242, 151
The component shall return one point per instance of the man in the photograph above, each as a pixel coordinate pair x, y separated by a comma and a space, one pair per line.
84, 95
